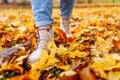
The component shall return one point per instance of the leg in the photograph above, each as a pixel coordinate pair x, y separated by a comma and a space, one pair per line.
42, 10
66, 7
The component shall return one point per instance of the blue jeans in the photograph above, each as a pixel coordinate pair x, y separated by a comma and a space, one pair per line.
42, 10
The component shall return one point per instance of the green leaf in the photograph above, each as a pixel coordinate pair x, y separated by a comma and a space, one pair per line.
12, 43
3, 77
116, 50
12, 73
57, 72
57, 55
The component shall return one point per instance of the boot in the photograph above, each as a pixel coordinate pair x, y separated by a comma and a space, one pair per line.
44, 36
64, 25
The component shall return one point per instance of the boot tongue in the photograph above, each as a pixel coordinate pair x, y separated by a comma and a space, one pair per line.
66, 22
43, 34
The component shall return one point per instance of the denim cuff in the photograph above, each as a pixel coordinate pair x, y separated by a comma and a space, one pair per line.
65, 16
44, 23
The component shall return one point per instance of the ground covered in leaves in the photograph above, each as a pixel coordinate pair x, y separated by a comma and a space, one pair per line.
93, 52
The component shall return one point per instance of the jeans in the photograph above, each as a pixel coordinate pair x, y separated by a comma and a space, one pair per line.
42, 10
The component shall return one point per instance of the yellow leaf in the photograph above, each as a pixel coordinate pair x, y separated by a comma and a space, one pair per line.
114, 75
78, 54
104, 63
64, 67
1, 47
16, 36
13, 67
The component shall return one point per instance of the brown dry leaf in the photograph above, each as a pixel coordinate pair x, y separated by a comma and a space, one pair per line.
117, 44
86, 74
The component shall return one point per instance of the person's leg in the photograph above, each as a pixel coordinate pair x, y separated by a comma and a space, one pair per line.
42, 10
66, 7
